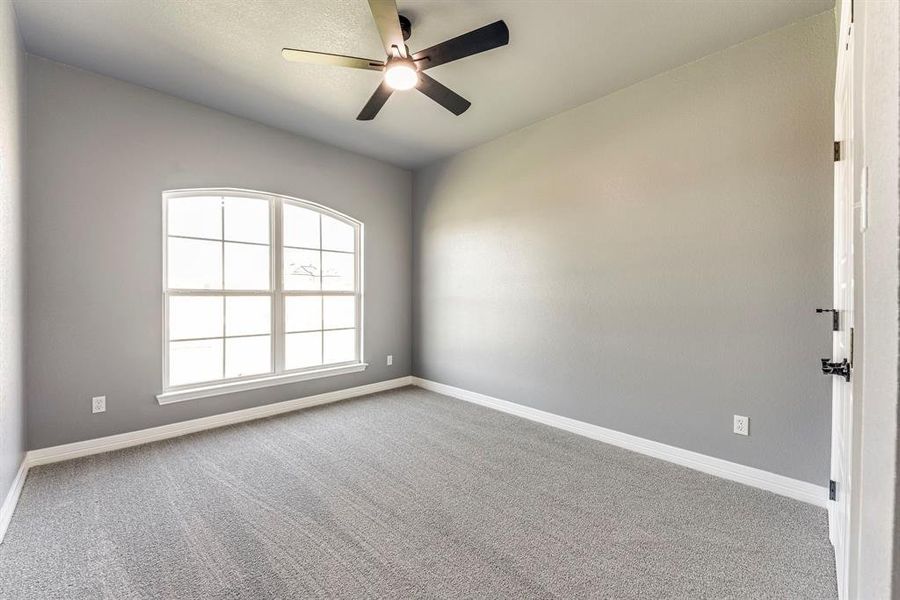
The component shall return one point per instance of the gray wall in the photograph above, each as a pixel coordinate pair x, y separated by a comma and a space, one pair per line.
100, 152
650, 261
12, 122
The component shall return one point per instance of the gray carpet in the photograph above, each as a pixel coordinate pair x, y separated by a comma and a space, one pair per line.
404, 494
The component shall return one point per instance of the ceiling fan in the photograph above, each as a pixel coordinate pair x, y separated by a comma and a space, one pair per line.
403, 70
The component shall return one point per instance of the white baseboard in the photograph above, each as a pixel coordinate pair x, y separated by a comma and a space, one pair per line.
12, 498
63, 452
779, 484
772, 482
144, 436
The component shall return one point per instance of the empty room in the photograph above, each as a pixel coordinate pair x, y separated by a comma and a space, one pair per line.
449, 299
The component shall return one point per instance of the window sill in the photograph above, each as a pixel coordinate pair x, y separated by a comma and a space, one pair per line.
253, 384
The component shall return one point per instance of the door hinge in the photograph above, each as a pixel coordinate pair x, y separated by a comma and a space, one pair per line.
835, 317
832, 490
837, 151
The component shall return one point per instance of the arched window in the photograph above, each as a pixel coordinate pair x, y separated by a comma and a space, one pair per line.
259, 289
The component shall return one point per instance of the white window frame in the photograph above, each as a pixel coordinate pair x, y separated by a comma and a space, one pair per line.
278, 375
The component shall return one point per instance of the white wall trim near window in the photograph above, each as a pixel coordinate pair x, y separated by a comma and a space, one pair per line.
252, 384
259, 289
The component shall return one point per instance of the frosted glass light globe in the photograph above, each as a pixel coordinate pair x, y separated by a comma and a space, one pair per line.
401, 76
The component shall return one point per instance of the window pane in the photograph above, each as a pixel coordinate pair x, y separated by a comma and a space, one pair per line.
337, 235
196, 361
196, 217
301, 269
195, 317
302, 313
302, 350
248, 315
340, 311
246, 267
301, 227
194, 264
340, 346
247, 220
248, 356
337, 271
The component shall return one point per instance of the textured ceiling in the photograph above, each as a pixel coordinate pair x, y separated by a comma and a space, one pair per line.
226, 54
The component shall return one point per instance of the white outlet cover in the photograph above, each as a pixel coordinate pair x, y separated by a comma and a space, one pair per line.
98, 404
390, 359
741, 425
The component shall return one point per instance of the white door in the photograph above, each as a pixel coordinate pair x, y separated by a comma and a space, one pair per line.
839, 513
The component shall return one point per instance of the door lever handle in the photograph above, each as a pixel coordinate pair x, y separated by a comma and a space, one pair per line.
841, 369
835, 317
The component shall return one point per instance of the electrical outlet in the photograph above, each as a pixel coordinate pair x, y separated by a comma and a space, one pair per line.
98, 404
390, 359
741, 425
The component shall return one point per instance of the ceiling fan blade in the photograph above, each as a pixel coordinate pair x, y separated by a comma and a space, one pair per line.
382, 93
479, 40
442, 95
387, 20
336, 60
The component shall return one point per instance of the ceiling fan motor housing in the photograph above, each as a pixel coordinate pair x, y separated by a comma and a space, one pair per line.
405, 27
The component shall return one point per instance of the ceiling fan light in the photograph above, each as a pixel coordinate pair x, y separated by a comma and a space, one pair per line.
401, 76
